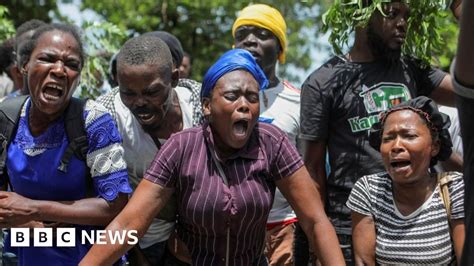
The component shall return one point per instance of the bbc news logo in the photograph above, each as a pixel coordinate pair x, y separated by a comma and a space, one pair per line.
66, 237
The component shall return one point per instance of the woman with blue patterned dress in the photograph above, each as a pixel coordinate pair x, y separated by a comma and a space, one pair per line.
40, 194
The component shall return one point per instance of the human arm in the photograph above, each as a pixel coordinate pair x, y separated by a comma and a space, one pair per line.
301, 193
456, 8
456, 224
146, 202
465, 55
316, 99
363, 239
314, 156
444, 93
458, 235
16, 209
105, 186
453, 163
363, 224
152, 193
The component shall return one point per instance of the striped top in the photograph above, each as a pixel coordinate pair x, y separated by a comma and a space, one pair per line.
421, 237
207, 207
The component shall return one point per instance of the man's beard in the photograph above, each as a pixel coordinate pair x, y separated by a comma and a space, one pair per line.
379, 48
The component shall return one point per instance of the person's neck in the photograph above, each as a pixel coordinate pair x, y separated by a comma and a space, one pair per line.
172, 122
360, 51
38, 121
222, 151
409, 197
272, 78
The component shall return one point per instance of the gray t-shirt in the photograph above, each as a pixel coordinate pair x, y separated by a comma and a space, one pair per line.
340, 101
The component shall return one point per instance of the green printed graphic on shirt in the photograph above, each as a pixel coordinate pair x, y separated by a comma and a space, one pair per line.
378, 98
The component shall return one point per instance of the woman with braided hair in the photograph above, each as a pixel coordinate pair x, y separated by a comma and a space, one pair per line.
400, 216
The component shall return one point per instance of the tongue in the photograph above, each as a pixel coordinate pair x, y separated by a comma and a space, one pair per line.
240, 128
52, 92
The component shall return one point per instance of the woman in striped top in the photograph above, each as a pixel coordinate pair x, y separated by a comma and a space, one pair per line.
399, 217
224, 174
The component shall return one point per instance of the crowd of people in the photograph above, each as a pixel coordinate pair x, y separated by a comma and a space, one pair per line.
357, 167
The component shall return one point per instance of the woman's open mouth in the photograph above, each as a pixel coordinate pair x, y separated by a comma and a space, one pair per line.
240, 128
52, 92
400, 165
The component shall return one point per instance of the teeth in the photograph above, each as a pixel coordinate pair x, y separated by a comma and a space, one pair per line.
55, 87
145, 117
53, 91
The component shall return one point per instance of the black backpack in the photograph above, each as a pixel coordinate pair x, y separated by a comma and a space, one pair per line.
75, 130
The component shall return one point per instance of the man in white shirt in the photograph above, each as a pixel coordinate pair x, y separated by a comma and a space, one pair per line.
148, 107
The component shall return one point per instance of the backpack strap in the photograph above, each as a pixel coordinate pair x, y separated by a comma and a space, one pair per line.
10, 110
76, 133
443, 181
78, 142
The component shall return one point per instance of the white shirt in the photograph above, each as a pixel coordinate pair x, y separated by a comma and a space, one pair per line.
140, 149
454, 128
280, 106
454, 132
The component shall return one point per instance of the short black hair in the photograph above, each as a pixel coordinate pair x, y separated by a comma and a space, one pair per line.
30, 45
31, 24
173, 44
7, 55
25, 27
145, 50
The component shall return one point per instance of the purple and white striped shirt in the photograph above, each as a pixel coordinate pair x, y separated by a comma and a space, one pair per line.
207, 207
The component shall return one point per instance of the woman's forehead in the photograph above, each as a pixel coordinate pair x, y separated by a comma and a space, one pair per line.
404, 117
237, 79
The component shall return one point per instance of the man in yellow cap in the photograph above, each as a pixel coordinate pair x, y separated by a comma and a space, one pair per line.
261, 30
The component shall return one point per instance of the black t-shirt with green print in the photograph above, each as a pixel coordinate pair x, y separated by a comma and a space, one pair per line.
339, 103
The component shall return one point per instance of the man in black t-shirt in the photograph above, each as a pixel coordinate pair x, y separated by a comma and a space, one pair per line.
343, 98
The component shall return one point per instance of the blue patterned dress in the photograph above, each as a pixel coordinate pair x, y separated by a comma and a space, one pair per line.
32, 164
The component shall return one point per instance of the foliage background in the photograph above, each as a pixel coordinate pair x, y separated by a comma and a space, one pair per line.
7, 28
203, 27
